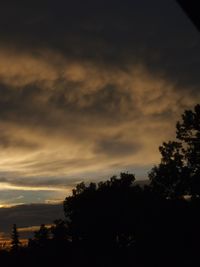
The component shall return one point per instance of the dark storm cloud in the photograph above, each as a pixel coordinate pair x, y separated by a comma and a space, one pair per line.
156, 33
9, 141
116, 147
106, 102
35, 106
21, 105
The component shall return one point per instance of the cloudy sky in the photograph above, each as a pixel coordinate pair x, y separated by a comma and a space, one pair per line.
89, 89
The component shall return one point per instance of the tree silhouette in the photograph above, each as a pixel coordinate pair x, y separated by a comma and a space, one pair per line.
59, 230
41, 236
116, 222
15, 243
178, 173
96, 211
188, 131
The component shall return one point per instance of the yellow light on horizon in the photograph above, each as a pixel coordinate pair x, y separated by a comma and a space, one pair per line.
7, 186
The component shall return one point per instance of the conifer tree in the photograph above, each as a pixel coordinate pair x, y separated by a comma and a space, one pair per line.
15, 243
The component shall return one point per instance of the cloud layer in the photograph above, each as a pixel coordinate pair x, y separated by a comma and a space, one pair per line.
89, 89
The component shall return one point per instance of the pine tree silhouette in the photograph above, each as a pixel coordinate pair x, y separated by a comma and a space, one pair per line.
15, 238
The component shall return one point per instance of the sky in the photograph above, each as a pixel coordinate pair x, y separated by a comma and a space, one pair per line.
89, 89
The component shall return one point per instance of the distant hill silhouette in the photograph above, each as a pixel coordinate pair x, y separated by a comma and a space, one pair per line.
29, 215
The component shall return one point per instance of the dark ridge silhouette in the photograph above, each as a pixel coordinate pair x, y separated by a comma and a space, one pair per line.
120, 223
29, 215
191, 8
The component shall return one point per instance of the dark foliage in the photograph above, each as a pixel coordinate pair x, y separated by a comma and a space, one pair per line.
178, 173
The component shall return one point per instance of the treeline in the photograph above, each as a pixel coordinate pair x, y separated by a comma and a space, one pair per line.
120, 223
